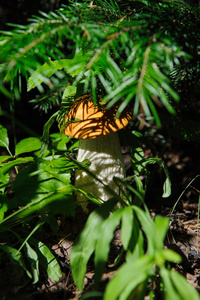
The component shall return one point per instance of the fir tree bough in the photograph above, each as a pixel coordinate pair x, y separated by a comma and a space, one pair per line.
133, 52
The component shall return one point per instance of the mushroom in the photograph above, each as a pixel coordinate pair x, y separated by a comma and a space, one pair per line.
97, 127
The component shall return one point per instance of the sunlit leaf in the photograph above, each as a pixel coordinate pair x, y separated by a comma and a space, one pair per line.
19, 161
171, 256
4, 141
85, 243
27, 145
47, 260
103, 243
184, 289
4, 157
162, 224
129, 275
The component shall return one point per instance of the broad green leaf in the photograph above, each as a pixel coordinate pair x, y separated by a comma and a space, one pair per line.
136, 247
103, 242
17, 162
38, 181
33, 260
85, 244
135, 291
162, 224
4, 141
4, 157
47, 260
184, 289
27, 145
59, 141
129, 275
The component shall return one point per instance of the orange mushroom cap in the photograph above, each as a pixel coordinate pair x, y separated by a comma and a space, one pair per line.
84, 120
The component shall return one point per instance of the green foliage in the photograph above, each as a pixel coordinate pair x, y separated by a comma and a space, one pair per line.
138, 270
47, 259
42, 187
144, 54
129, 53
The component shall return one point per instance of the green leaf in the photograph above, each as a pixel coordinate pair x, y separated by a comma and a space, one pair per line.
27, 145
17, 162
70, 91
84, 245
40, 180
59, 141
137, 159
166, 186
136, 247
127, 226
4, 157
33, 260
71, 66
134, 290
169, 289
43, 72
4, 180
162, 224
47, 260
171, 256
129, 276
45, 135
184, 289
149, 228
4, 141
3, 205
103, 242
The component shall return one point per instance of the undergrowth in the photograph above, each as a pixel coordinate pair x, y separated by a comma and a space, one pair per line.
144, 54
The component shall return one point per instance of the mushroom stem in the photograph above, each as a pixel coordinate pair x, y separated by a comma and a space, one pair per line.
104, 154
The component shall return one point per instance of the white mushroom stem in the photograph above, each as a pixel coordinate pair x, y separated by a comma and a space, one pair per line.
104, 154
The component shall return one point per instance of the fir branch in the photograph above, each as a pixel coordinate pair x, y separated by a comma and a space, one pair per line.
128, 49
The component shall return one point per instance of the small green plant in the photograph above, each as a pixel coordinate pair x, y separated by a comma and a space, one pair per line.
41, 190
142, 270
